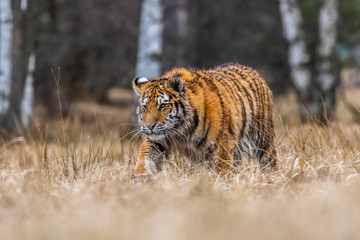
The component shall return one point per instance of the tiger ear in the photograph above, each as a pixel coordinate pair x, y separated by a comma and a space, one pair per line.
139, 84
176, 84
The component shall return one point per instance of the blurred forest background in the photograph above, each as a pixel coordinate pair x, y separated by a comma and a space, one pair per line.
95, 43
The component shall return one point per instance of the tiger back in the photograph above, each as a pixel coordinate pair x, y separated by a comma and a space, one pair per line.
211, 116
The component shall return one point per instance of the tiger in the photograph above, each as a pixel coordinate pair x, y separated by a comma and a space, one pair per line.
215, 116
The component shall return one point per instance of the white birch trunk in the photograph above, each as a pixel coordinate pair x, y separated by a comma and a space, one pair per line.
28, 96
28, 92
6, 31
298, 56
150, 39
327, 35
150, 43
326, 78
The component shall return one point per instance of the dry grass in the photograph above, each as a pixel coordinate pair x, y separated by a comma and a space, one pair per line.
81, 189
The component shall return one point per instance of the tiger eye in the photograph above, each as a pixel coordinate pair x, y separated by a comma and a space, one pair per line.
162, 106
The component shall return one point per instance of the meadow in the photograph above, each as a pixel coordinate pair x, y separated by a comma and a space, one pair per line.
73, 181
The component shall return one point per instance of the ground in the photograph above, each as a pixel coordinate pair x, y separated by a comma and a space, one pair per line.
77, 185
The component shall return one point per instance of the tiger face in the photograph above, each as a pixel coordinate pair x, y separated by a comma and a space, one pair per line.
161, 109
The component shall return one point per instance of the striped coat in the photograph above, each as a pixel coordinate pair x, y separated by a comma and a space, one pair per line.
211, 116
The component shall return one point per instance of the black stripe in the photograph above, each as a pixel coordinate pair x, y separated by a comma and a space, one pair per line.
224, 80
242, 131
183, 108
249, 82
176, 107
213, 87
262, 114
250, 102
194, 123
204, 138
257, 118
159, 146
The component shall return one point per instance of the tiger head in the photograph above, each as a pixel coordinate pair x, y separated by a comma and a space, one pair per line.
161, 109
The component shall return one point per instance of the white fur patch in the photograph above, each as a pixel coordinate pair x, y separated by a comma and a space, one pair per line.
150, 166
142, 80
163, 99
155, 137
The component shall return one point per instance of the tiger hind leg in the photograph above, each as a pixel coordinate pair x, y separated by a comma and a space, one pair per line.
267, 158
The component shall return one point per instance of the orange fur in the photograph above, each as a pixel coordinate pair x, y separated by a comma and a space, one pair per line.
210, 116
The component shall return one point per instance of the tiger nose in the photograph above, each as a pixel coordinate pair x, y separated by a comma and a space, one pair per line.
150, 126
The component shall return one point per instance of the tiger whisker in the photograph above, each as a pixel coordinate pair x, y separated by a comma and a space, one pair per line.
136, 130
137, 134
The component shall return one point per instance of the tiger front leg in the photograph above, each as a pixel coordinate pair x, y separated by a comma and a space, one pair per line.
151, 158
222, 156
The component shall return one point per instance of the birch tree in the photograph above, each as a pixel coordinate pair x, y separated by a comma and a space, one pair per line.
21, 67
316, 90
149, 43
28, 96
326, 78
6, 28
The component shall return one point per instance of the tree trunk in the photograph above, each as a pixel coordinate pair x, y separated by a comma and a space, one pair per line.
6, 28
297, 54
22, 46
327, 79
12, 117
28, 98
150, 43
315, 92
